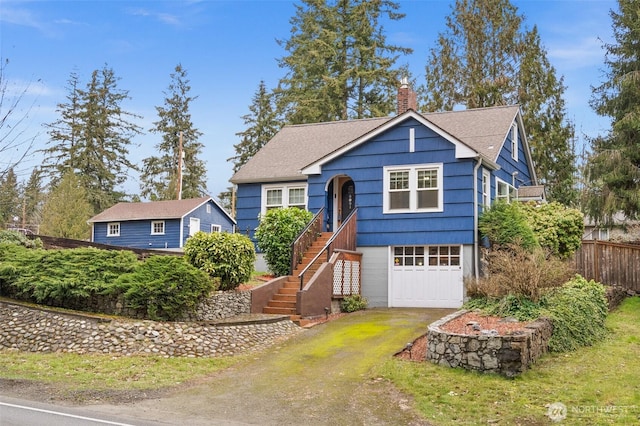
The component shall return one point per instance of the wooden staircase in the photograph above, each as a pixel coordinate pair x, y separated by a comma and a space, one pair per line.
284, 301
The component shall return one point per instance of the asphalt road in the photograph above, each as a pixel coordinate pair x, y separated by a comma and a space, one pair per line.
19, 412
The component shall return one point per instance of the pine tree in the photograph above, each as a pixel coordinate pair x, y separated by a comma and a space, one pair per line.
64, 133
486, 59
614, 164
92, 138
9, 200
67, 210
262, 124
339, 63
160, 173
33, 200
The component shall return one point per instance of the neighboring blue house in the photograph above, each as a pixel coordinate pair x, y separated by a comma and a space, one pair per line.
419, 182
159, 224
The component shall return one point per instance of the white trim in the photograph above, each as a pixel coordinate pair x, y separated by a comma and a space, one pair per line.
462, 149
216, 228
511, 194
285, 188
486, 192
412, 139
115, 234
194, 225
514, 141
153, 223
413, 189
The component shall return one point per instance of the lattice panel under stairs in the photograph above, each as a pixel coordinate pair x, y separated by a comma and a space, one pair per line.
346, 278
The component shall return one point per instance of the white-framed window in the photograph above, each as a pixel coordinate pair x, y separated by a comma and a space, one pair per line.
157, 227
208, 208
504, 191
514, 141
413, 188
486, 189
113, 229
216, 228
603, 234
282, 196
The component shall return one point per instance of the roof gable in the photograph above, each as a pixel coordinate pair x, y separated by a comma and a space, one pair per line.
154, 210
298, 150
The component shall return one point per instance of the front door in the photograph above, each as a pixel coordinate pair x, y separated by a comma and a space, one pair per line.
194, 226
348, 199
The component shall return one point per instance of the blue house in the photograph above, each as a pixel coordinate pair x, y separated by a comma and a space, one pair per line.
159, 224
419, 183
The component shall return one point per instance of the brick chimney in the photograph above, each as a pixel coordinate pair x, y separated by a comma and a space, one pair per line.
407, 98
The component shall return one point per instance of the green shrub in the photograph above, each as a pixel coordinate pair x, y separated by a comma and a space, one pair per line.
277, 230
505, 224
521, 308
229, 257
18, 238
166, 287
61, 277
578, 311
353, 303
559, 229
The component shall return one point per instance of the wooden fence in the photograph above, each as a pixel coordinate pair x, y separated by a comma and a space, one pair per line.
609, 263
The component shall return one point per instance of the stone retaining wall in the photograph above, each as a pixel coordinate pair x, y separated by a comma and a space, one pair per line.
223, 304
507, 355
35, 330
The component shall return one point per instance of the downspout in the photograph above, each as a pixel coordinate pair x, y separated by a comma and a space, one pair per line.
476, 254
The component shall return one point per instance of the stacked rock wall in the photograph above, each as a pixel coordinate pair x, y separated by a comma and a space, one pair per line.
508, 355
36, 330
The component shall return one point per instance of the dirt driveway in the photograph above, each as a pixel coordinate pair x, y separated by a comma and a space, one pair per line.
322, 376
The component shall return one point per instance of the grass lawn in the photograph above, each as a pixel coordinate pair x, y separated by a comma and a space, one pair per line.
598, 385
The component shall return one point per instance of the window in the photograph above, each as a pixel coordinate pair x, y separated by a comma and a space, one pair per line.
275, 197
603, 234
514, 142
415, 188
216, 228
208, 208
486, 189
505, 191
113, 229
157, 227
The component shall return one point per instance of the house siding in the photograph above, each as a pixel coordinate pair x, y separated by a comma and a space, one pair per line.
137, 234
509, 165
215, 217
364, 164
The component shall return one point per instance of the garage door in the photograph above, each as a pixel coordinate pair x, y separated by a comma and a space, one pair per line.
426, 277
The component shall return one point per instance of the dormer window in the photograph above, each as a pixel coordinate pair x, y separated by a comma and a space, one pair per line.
514, 141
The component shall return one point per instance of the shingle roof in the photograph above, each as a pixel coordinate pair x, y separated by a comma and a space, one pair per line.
531, 192
297, 146
171, 209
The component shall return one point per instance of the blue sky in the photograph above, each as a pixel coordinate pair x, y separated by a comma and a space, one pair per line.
227, 47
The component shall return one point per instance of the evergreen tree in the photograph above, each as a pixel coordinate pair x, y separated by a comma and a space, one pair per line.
9, 200
262, 124
339, 63
160, 173
67, 210
65, 133
614, 164
92, 137
33, 199
485, 59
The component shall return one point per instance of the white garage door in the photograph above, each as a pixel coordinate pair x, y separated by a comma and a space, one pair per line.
426, 277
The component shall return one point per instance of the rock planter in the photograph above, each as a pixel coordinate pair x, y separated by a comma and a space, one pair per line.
486, 350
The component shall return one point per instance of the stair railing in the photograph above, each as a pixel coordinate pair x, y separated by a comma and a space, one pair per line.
305, 238
343, 239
